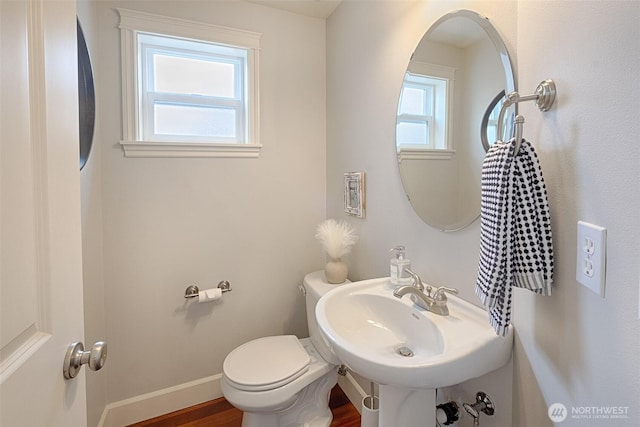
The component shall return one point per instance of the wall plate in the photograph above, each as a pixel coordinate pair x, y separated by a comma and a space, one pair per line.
591, 260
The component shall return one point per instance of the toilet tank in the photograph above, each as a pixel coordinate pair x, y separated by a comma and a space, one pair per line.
316, 285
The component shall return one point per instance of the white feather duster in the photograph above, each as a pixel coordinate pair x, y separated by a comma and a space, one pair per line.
336, 237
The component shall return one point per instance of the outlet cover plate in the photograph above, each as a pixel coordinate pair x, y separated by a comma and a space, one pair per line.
591, 256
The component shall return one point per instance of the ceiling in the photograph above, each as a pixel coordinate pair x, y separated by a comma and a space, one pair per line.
314, 8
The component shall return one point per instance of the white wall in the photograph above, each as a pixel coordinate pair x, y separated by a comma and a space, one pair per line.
580, 349
574, 347
484, 73
172, 222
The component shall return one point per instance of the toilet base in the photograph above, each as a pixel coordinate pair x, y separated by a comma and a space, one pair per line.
310, 408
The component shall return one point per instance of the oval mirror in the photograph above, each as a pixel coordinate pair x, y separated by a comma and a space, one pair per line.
456, 78
86, 98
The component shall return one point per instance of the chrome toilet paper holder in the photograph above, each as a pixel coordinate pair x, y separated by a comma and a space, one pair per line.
192, 291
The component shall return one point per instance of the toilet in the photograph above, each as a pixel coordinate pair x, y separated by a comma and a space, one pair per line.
284, 381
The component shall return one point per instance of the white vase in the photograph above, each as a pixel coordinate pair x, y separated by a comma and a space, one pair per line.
336, 271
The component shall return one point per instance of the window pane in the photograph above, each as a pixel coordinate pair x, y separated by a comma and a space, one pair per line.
194, 121
412, 101
176, 74
492, 133
412, 133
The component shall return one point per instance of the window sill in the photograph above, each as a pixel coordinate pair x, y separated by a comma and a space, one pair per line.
424, 154
188, 149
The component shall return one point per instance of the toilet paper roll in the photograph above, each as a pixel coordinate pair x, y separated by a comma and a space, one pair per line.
207, 295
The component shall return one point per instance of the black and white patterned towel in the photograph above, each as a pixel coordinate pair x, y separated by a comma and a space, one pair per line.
516, 247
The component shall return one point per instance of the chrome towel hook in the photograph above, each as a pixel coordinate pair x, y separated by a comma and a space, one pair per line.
544, 97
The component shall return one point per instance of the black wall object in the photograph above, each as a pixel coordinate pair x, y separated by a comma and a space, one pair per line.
86, 98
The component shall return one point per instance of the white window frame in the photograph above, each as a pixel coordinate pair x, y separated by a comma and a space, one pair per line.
134, 22
427, 119
492, 121
414, 151
149, 45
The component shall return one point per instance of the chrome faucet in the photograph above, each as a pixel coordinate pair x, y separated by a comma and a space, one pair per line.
421, 295
416, 281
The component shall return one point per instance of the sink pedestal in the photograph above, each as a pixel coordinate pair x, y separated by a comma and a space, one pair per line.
407, 407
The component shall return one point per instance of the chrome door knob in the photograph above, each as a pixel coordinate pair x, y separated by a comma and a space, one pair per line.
76, 357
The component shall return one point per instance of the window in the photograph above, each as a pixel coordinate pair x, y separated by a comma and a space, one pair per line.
189, 89
422, 126
416, 121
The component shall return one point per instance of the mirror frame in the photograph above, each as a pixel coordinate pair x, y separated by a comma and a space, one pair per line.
86, 98
485, 119
510, 83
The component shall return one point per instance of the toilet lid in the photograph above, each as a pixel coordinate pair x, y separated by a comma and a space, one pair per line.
266, 363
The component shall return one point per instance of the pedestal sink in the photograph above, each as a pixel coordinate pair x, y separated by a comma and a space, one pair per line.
407, 350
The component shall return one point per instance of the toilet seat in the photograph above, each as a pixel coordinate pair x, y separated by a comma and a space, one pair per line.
266, 363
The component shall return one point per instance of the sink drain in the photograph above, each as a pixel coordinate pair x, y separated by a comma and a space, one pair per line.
404, 351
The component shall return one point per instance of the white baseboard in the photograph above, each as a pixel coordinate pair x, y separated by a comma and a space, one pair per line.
352, 389
154, 404
160, 402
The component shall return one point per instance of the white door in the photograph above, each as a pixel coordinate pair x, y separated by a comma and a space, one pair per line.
40, 243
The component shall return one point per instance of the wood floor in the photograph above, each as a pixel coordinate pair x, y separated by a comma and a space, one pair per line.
220, 413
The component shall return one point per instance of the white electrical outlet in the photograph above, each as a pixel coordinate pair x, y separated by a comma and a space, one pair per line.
591, 258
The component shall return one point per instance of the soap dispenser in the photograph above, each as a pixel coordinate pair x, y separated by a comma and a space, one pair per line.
397, 268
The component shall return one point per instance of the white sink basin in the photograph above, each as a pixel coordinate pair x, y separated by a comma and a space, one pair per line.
392, 341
